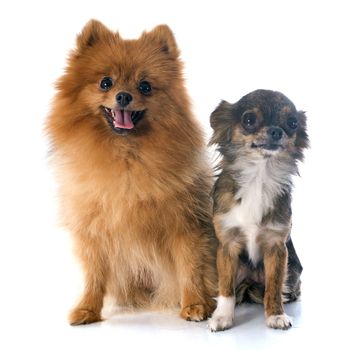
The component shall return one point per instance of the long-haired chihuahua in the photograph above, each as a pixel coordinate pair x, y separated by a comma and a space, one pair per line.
261, 139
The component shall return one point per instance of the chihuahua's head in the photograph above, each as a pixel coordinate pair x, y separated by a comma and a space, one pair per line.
263, 123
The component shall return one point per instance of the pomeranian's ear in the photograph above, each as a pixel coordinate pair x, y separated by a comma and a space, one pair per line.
93, 32
221, 120
163, 37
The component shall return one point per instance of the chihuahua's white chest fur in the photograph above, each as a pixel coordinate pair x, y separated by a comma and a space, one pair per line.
260, 181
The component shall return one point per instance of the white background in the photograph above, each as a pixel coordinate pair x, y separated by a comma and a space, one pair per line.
229, 48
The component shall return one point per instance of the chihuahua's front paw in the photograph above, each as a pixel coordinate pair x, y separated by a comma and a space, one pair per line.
279, 321
223, 315
83, 316
220, 322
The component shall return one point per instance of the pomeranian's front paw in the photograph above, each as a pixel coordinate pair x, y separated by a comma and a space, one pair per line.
83, 316
279, 321
197, 312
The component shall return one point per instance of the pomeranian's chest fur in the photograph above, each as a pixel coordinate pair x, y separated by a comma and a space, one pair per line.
259, 183
116, 194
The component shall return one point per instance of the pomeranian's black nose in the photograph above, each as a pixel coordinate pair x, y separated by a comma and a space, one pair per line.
275, 133
123, 99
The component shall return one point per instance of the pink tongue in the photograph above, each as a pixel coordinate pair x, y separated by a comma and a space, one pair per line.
122, 119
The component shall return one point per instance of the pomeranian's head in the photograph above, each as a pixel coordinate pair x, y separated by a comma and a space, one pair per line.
263, 123
122, 86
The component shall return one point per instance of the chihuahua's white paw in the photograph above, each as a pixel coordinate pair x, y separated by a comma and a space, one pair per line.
223, 315
220, 322
279, 321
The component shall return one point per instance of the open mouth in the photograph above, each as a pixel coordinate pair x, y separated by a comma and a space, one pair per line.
268, 146
122, 120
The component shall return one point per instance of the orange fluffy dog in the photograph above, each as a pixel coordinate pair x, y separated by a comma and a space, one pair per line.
134, 181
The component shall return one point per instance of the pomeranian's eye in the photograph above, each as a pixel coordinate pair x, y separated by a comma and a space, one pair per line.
292, 122
106, 83
249, 120
145, 88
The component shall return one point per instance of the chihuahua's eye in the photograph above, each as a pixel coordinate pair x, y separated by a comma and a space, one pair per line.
292, 122
145, 88
106, 83
249, 120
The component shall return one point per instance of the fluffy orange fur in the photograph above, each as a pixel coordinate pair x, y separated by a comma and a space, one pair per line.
137, 205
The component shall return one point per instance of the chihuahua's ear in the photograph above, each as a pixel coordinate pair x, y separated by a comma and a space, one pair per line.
221, 122
162, 37
302, 139
93, 32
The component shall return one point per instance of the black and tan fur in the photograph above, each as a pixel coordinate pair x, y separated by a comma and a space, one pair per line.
261, 139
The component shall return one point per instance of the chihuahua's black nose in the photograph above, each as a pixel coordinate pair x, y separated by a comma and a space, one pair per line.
123, 99
275, 133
